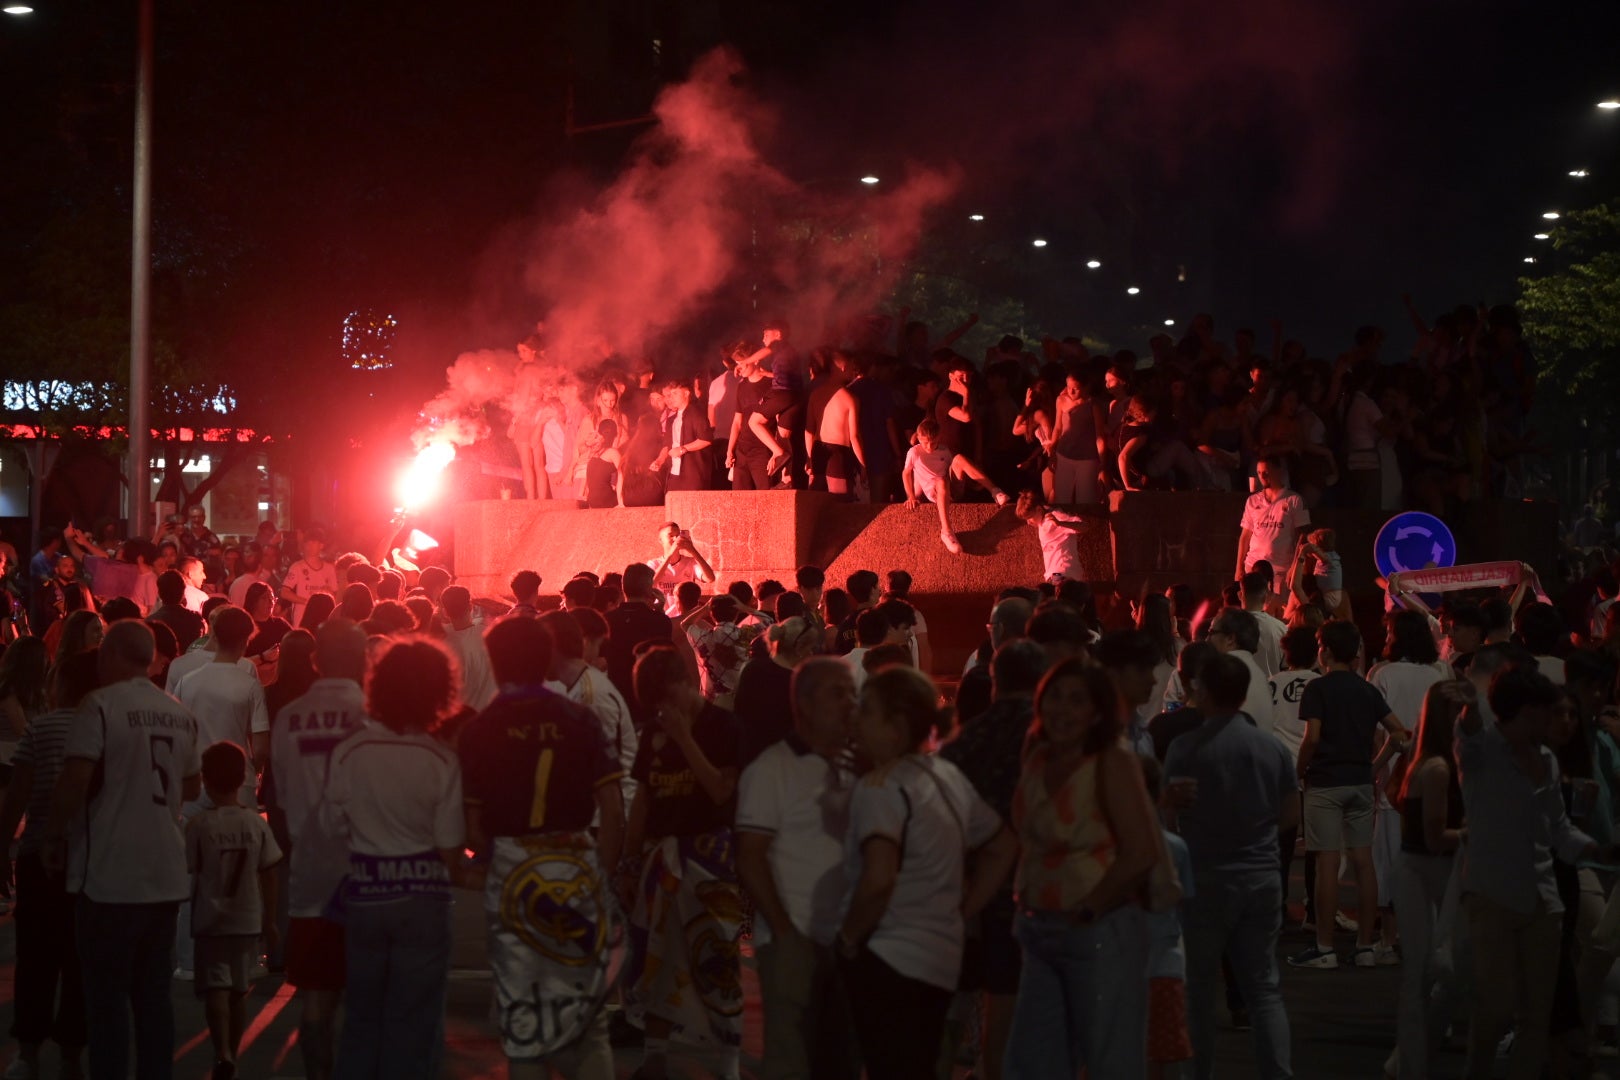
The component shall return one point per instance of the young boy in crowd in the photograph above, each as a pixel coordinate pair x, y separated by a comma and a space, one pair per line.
231, 855
930, 470
1328, 571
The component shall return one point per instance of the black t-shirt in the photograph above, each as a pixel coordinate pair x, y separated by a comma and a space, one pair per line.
267, 636
532, 762
630, 624
751, 399
695, 427
764, 707
846, 640
1350, 709
1168, 726
186, 624
677, 803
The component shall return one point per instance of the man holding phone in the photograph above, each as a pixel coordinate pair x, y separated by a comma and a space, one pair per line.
681, 561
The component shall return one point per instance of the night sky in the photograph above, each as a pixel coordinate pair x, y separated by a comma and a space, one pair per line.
1304, 161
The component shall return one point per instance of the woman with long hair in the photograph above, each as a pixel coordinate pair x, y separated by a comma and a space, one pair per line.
318, 610
395, 793
1411, 666
1089, 841
685, 978
1428, 796
269, 630
1036, 424
81, 630
1155, 619
593, 439
915, 820
47, 956
640, 480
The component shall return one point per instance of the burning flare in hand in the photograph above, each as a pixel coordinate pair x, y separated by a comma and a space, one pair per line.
422, 478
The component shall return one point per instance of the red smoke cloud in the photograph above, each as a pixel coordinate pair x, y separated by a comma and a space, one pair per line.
639, 268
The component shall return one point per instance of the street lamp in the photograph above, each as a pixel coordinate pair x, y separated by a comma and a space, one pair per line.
17, 9
1169, 322
1551, 215
975, 217
1530, 258
1609, 105
1132, 291
1093, 264
1038, 243
869, 180
140, 297
1543, 236
1579, 174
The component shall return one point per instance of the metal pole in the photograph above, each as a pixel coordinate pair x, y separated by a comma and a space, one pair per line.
140, 301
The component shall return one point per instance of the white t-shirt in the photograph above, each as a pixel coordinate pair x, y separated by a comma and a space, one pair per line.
1552, 667
684, 568
145, 593
192, 659
394, 795
238, 590
1258, 702
1361, 432
1272, 527
226, 847
1405, 685
305, 581
594, 690
306, 732
130, 849
856, 659
929, 469
801, 801
1272, 629
1287, 688
1600, 619
936, 821
229, 706
478, 687
1060, 545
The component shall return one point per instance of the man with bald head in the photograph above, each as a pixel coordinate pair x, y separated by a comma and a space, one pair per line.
792, 812
126, 857
1009, 621
302, 738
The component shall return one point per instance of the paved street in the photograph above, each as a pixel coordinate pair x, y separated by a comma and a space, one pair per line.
1342, 1020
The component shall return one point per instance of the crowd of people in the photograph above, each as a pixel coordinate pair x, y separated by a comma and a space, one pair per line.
1069, 863
889, 420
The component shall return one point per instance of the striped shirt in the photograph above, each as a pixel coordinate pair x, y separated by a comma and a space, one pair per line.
42, 749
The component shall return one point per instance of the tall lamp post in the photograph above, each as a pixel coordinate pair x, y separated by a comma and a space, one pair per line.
140, 299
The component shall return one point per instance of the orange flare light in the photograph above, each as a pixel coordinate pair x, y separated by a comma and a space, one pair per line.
421, 480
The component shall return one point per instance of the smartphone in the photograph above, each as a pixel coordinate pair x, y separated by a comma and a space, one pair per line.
686, 534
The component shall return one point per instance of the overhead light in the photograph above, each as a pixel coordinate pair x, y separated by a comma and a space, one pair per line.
1093, 264
1038, 243
975, 217
869, 179
1133, 290
1611, 104
17, 9
1529, 258
1169, 322
1579, 174
1543, 236
1551, 215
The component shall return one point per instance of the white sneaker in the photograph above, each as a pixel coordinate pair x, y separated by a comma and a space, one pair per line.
1366, 956
952, 544
1385, 955
1345, 922
1001, 497
185, 974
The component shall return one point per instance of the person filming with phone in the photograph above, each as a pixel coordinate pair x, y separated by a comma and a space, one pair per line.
680, 562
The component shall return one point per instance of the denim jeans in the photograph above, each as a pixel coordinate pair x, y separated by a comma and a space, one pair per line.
399, 965
1082, 997
124, 952
1236, 915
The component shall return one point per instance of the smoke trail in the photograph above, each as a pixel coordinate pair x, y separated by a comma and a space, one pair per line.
635, 270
